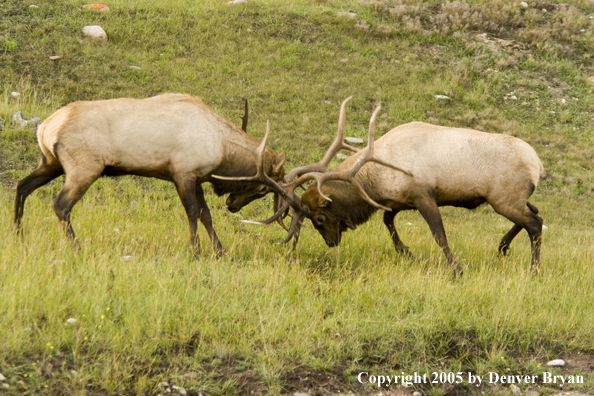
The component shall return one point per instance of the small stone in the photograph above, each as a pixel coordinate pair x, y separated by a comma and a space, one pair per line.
54, 57
515, 390
16, 95
179, 390
417, 393
442, 97
524, 4
135, 68
348, 15
233, 2
126, 258
74, 373
97, 7
556, 363
18, 119
71, 321
354, 140
95, 32
300, 394
33, 6
2, 377
5, 386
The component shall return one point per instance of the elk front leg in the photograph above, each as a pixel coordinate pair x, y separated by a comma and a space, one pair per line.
206, 220
389, 222
508, 238
430, 212
186, 189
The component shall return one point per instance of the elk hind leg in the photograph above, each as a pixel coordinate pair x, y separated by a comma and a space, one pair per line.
389, 222
206, 220
42, 175
76, 185
430, 212
524, 216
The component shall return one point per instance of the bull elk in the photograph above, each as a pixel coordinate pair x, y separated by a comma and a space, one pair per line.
173, 137
418, 166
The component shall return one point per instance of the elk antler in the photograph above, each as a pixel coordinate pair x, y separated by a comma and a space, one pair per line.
348, 175
336, 146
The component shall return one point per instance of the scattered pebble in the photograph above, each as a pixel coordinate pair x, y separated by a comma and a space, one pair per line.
5, 386
74, 373
524, 4
354, 140
16, 95
22, 122
556, 363
33, 6
442, 97
54, 57
135, 68
515, 390
71, 321
300, 394
563, 101
126, 258
349, 15
2, 377
233, 2
417, 393
179, 390
95, 32
97, 7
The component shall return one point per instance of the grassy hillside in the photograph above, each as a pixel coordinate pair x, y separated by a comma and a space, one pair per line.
259, 321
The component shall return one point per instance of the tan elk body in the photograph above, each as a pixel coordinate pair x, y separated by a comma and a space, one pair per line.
443, 166
173, 137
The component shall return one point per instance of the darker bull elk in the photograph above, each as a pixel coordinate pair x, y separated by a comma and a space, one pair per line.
173, 137
418, 166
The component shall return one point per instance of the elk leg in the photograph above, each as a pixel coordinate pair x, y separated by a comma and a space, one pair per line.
389, 222
39, 177
525, 216
75, 187
508, 238
186, 189
206, 220
430, 212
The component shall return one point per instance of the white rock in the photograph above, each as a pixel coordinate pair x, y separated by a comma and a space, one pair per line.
442, 97
300, 394
354, 140
95, 32
417, 393
179, 390
54, 57
33, 6
233, 2
515, 390
2, 377
5, 386
135, 68
74, 373
524, 4
15, 94
18, 119
556, 363
349, 15
71, 321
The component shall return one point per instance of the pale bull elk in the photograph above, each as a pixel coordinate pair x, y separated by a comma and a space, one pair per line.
173, 137
418, 166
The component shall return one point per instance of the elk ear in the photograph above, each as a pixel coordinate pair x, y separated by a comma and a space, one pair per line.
323, 202
278, 162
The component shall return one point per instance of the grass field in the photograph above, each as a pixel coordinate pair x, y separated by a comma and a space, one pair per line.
258, 320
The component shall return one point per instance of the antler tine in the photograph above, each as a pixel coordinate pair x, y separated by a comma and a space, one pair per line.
337, 145
277, 214
348, 175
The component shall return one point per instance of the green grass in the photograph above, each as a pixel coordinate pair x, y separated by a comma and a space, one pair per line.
147, 311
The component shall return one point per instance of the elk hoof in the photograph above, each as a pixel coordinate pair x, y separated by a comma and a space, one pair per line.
503, 249
458, 271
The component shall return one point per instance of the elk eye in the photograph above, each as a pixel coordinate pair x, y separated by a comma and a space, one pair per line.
320, 219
